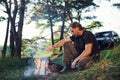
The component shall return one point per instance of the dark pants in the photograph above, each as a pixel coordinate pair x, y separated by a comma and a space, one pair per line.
70, 54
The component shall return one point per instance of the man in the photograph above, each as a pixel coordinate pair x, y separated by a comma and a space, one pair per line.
84, 51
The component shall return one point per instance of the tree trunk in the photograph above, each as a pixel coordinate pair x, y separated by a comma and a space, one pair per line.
6, 39
8, 11
13, 33
51, 25
12, 46
79, 15
20, 27
63, 25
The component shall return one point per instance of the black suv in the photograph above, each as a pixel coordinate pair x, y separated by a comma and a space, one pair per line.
107, 39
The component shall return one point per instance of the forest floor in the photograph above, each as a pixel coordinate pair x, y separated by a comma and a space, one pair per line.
108, 68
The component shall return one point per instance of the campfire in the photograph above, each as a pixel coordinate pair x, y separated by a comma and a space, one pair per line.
41, 65
41, 61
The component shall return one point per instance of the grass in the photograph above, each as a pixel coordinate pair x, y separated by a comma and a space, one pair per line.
11, 69
107, 69
104, 70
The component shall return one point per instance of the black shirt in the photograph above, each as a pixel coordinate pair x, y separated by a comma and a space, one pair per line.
81, 41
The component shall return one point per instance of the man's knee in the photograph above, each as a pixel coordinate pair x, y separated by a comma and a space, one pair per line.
85, 63
70, 46
67, 44
69, 51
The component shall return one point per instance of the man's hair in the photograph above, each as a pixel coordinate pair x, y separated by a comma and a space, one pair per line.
76, 24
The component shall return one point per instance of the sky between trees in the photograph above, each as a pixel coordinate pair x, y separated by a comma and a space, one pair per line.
105, 13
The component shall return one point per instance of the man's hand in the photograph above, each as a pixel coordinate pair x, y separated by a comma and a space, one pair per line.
51, 48
73, 65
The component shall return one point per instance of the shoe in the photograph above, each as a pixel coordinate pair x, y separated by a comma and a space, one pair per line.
66, 68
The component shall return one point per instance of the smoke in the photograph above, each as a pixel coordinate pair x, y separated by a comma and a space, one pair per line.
37, 67
29, 70
38, 64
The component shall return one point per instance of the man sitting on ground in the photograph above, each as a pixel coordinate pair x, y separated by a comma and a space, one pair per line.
79, 50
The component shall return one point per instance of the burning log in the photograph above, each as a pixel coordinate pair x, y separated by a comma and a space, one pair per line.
41, 67
41, 60
44, 66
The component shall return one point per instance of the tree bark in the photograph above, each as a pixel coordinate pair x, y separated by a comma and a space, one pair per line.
20, 27
13, 33
6, 39
51, 25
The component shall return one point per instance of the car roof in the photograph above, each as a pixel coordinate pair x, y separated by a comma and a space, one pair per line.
103, 32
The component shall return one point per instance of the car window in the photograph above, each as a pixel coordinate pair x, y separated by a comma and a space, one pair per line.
107, 35
103, 34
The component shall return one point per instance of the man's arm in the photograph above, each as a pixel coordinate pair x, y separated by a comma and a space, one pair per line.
85, 53
59, 44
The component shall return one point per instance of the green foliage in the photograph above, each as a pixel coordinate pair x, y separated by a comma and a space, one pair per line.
0, 52
7, 51
56, 9
94, 24
56, 40
35, 48
81, 4
117, 5
2, 18
90, 17
43, 24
